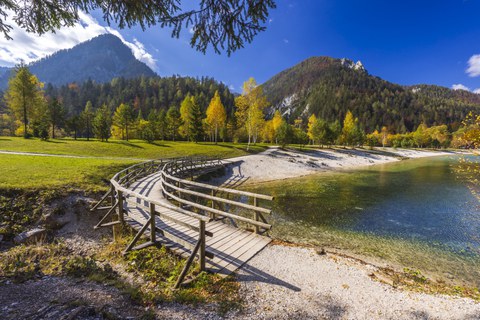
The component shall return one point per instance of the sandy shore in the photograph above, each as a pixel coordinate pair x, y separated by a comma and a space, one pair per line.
277, 164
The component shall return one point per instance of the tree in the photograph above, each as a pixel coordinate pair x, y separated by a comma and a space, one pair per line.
24, 95
195, 122
384, 136
223, 24
87, 118
161, 125
250, 106
173, 121
102, 123
276, 123
285, 133
321, 131
74, 123
216, 114
186, 108
311, 123
351, 133
56, 115
421, 136
123, 118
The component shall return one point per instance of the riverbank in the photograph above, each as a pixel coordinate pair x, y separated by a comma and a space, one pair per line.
289, 282
277, 164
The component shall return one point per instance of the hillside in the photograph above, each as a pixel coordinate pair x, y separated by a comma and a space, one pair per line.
100, 59
329, 87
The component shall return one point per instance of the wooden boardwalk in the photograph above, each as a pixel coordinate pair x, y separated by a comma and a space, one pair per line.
230, 246
186, 216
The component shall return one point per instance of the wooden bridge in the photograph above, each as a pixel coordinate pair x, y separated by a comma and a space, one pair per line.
221, 227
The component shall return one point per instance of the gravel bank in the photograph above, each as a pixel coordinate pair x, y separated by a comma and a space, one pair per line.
296, 283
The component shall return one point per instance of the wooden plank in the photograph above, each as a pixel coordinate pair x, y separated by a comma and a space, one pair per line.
250, 251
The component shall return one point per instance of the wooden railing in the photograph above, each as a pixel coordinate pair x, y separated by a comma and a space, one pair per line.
176, 188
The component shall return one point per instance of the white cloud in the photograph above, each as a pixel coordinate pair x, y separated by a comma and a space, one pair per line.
460, 86
473, 69
477, 91
285, 41
30, 47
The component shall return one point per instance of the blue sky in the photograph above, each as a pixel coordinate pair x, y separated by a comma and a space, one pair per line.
406, 42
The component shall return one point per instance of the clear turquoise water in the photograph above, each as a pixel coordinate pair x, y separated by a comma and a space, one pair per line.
418, 203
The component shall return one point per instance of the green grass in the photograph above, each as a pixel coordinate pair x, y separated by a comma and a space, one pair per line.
126, 149
39, 172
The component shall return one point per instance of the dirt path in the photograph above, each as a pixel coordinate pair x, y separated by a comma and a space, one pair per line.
21, 153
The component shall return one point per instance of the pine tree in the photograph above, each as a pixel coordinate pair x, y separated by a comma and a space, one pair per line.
195, 122
173, 121
87, 118
216, 115
56, 115
102, 123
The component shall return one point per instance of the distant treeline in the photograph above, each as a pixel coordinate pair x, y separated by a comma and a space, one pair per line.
197, 109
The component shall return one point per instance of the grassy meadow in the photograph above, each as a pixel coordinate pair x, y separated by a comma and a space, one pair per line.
95, 163
136, 149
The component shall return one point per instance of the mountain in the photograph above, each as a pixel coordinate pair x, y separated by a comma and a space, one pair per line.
330, 87
100, 59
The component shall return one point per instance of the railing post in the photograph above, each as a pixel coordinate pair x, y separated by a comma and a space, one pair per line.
112, 195
257, 228
121, 218
212, 214
153, 237
202, 245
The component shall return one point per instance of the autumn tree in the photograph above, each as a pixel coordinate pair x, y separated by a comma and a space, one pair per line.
123, 118
186, 109
311, 123
276, 123
173, 121
250, 106
222, 24
102, 123
384, 134
87, 117
421, 136
216, 115
24, 95
56, 115
351, 132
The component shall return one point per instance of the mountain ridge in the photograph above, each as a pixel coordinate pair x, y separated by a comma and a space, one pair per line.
100, 59
329, 87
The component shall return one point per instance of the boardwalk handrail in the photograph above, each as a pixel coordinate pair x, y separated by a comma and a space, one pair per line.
176, 167
172, 172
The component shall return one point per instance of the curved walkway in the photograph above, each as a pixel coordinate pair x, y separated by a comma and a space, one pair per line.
227, 246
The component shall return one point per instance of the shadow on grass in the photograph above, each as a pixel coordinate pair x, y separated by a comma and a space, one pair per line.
128, 144
5, 139
55, 141
155, 143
